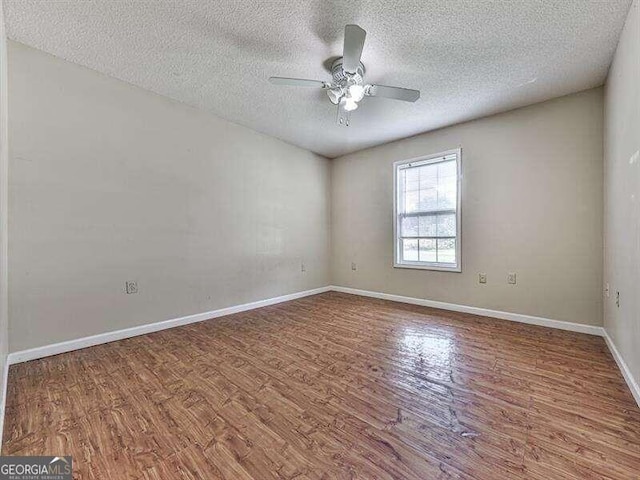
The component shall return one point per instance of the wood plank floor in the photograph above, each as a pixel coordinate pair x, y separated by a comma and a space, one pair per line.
332, 386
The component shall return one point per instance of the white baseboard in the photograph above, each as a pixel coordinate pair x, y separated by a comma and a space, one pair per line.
76, 344
514, 317
70, 345
54, 349
622, 365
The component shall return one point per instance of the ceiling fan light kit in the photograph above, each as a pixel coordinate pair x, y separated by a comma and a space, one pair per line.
347, 87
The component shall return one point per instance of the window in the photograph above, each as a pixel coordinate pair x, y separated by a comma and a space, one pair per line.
427, 212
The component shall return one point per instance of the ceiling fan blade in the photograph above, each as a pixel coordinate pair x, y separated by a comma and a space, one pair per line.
353, 44
297, 82
344, 116
396, 93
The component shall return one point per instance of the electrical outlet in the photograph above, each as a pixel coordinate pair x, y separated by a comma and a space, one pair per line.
482, 278
511, 278
354, 267
618, 299
303, 268
131, 287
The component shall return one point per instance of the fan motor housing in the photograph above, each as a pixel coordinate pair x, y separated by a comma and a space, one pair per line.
340, 76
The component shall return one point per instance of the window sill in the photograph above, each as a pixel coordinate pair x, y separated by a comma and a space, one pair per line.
437, 268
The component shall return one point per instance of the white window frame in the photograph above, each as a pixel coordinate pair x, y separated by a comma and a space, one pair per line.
438, 266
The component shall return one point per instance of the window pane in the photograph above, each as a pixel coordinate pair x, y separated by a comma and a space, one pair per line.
447, 185
401, 186
428, 226
447, 169
447, 193
446, 225
410, 250
409, 227
411, 201
428, 176
427, 250
429, 188
429, 199
446, 250
412, 178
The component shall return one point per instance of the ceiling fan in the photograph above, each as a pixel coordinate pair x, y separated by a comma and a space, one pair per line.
347, 87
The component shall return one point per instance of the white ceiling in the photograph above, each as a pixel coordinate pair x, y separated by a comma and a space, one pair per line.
469, 58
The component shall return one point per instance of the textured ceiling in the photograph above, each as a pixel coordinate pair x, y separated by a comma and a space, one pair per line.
468, 58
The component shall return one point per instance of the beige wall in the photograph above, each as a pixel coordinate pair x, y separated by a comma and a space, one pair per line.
4, 319
622, 194
110, 183
531, 204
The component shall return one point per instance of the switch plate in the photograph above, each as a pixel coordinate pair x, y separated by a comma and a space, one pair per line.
482, 278
354, 267
511, 278
606, 290
131, 287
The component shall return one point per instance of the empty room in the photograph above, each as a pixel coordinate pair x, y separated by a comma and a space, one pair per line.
320, 239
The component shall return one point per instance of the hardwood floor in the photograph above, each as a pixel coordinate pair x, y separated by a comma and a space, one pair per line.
332, 386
